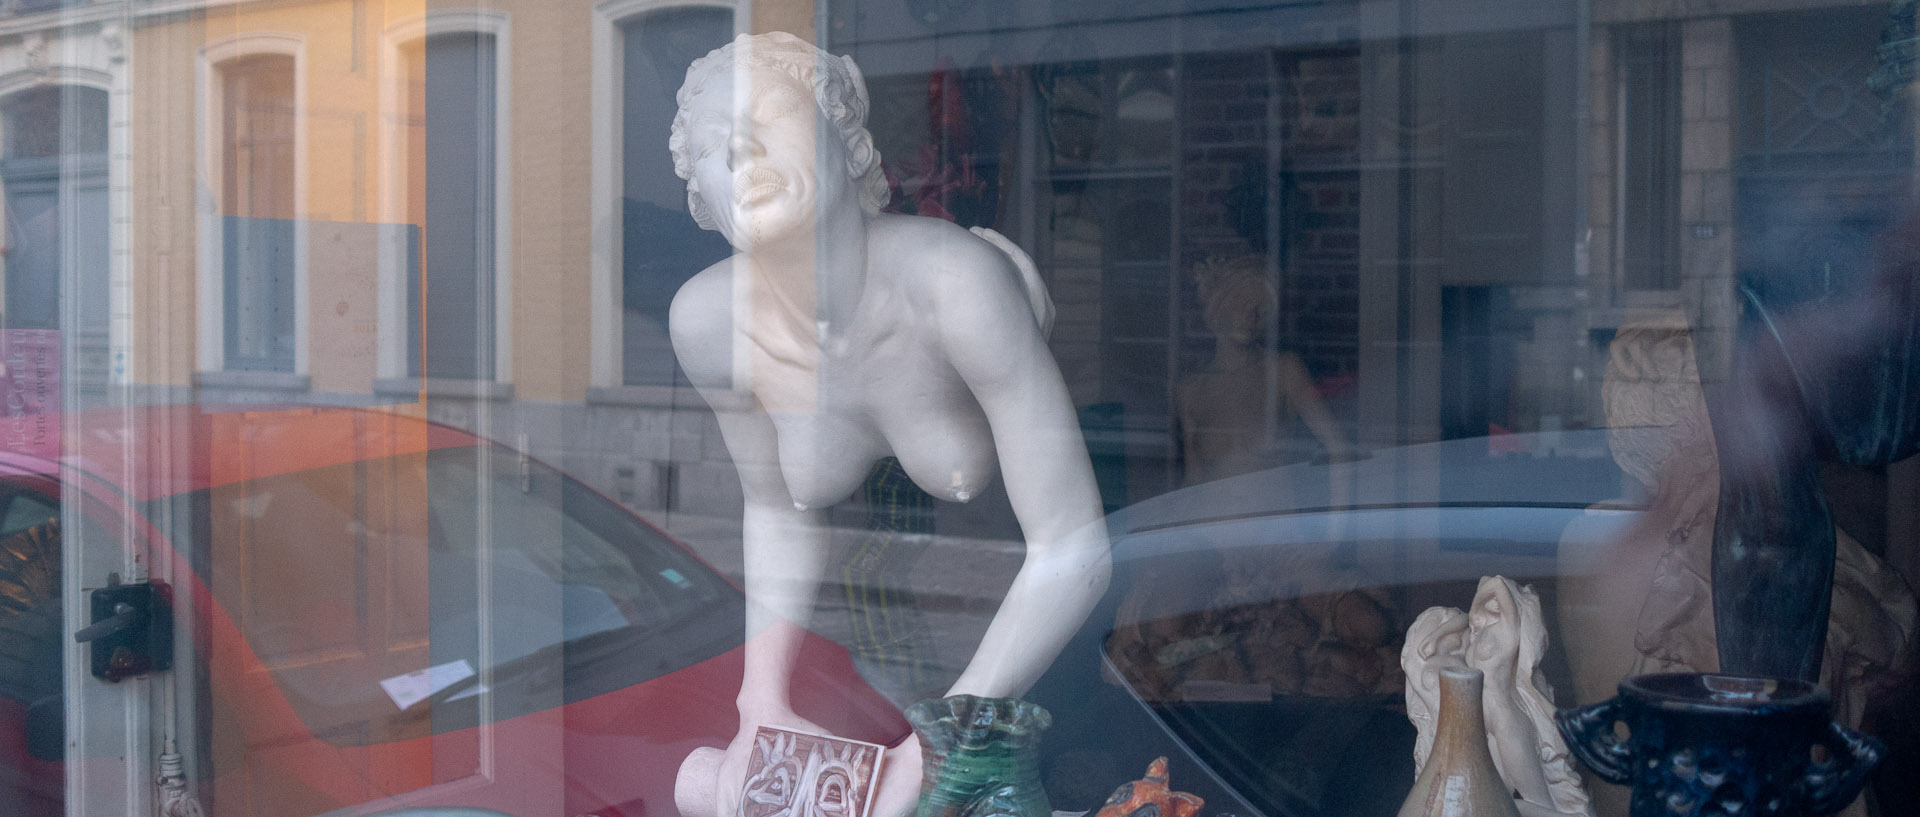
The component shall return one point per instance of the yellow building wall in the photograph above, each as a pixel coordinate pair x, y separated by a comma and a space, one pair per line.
161, 205
345, 50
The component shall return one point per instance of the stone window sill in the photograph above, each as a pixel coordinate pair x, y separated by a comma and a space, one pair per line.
414, 387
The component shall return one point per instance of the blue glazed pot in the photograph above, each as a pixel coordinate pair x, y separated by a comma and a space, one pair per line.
1703, 745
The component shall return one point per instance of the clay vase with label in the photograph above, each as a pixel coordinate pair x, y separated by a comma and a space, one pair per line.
980, 757
1709, 745
1459, 779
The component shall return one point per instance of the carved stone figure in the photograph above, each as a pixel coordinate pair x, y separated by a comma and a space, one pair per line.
837, 335
1503, 636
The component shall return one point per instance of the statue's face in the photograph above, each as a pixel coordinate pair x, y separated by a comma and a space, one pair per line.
765, 160
1495, 629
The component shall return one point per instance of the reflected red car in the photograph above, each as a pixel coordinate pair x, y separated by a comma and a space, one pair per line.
375, 613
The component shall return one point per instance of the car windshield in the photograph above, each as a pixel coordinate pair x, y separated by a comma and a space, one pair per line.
386, 598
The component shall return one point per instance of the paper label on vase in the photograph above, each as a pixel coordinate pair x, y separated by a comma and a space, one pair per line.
793, 772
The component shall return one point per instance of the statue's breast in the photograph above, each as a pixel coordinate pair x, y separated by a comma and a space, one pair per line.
824, 456
940, 433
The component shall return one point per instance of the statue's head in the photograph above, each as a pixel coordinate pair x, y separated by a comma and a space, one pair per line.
1237, 300
1656, 411
757, 64
1507, 630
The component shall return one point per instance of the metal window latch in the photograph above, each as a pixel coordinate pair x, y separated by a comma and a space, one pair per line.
132, 630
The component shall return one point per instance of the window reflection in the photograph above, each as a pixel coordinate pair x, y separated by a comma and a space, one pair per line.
1355, 303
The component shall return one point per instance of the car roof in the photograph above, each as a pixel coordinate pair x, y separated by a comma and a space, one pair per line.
146, 452
1566, 469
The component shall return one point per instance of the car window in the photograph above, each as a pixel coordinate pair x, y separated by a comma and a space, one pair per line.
383, 597
30, 649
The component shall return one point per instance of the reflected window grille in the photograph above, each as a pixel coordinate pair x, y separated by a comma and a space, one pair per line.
1649, 134
1805, 102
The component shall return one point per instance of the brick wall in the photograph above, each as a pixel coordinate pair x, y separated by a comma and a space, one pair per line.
1243, 114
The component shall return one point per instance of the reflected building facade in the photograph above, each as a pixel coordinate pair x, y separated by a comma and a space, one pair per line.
469, 209
1446, 211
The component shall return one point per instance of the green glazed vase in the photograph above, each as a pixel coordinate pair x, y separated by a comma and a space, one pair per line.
980, 757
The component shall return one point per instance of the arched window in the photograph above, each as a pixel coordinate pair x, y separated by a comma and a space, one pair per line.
646, 244
453, 163
253, 231
257, 126
54, 171
661, 247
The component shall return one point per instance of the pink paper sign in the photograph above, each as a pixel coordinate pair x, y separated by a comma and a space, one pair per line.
30, 391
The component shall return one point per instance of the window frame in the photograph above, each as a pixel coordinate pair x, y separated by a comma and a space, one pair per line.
394, 323
210, 100
607, 325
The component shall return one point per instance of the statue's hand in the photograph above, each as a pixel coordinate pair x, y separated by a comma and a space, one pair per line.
900, 772
733, 768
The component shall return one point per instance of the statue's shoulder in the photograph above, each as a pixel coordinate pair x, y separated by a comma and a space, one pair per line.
708, 291
929, 254
945, 267
701, 323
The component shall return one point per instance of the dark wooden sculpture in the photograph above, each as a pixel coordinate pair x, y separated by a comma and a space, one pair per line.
1819, 373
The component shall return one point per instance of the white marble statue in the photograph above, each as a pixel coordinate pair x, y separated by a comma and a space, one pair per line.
837, 335
1504, 636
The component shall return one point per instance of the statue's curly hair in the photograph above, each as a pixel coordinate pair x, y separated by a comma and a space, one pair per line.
838, 90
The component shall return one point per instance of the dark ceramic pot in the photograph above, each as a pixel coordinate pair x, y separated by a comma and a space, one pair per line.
980, 757
1712, 745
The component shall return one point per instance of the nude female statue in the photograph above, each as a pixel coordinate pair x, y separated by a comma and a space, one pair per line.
837, 335
1236, 415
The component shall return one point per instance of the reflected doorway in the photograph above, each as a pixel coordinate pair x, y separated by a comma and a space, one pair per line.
53, 168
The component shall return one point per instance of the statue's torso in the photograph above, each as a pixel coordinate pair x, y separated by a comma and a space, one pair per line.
881, 386
896, 397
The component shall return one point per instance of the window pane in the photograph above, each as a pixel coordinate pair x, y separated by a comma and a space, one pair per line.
661, 247
457, 109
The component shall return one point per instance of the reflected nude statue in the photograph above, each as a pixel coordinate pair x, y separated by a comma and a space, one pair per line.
1504, 636
1236, 414
837, 335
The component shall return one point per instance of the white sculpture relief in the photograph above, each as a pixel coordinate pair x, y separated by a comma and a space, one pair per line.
1504, 636
850, 335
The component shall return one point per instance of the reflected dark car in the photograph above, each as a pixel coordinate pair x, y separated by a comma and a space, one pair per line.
380, 614
1253, 627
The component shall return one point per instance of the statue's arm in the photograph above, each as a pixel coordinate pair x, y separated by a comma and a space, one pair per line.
1305, 396
783, 548
983, 324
